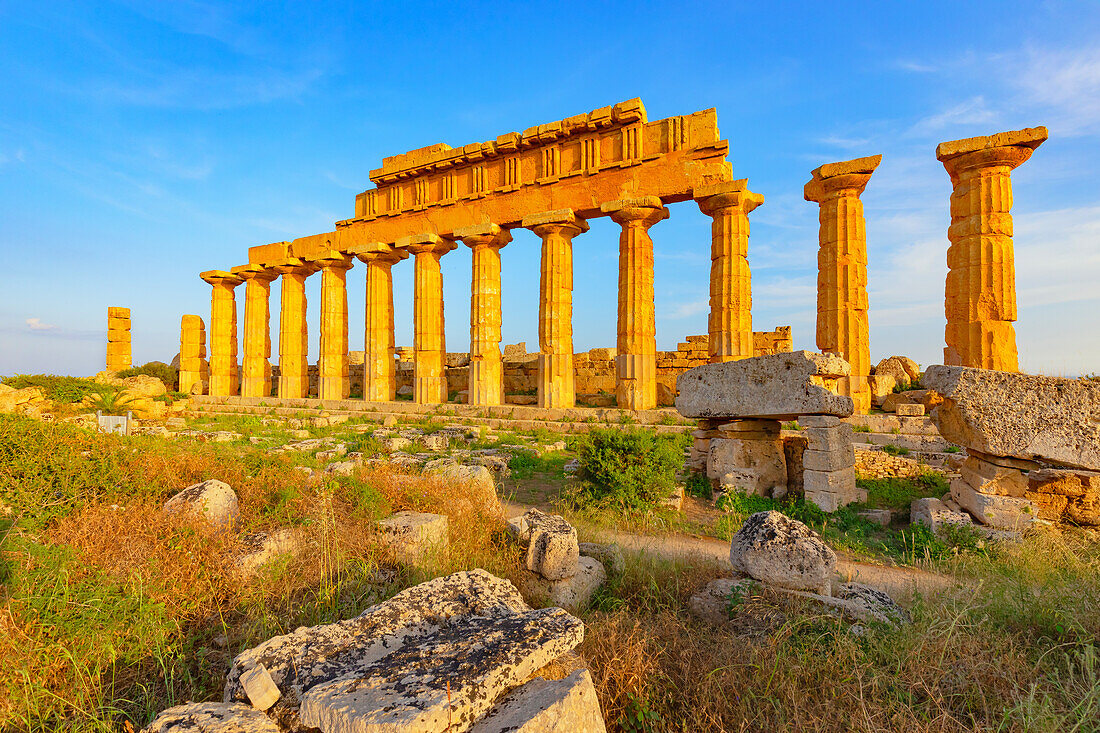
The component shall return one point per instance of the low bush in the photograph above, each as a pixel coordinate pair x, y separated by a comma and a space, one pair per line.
628, 469
170, 375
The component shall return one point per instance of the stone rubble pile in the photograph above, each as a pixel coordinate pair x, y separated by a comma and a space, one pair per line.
786, 557
556, 569
458, 653
740, 406
1032, 443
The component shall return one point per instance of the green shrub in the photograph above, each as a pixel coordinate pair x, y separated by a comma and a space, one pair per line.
907, 386
895, 450
699, 485
63, 390
164, 372
628, 469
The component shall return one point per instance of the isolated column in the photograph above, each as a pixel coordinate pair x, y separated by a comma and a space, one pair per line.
980, 301
842, 326
555, 375
119, 355
636, 360
333, 382
293, 328
486, 381
730, 324
429, 344
194, 369
255, 365
379, 370
223, 332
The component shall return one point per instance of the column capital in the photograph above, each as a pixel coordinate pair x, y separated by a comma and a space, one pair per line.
333, 260
254, 272
833, 179
426, 243
377, 252
1002, 149
558, 220
727, 195
479, 235
292, 266
648, 210
221, 277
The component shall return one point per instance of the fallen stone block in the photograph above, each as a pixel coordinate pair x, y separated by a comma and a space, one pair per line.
478, 480
778, 550
936, 514
214, 500
1002, 512
552, 548
572, 593
1065, 495
711, 602
568, 705
609, 555
1021, 415
777, 386
989, 478
751, 466
261, 690
261, 548
212, 717
909, 410
412, 537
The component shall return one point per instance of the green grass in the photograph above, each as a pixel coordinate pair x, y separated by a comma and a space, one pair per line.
64, 390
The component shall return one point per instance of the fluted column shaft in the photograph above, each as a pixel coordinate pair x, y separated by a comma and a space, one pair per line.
980, 291
429, 342
255, 365
636, 359
333, 382
379, 370
730, 323
842, 304
223, 332
486, 376
293, 329
556, 384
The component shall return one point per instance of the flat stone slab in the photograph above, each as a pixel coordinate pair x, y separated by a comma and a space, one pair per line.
547, 706
212, 717
447, 681
1020, 415
776, 387
552, 548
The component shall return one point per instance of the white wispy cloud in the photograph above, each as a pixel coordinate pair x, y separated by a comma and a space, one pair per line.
973, 111
1066, 82
675, 311
36, 324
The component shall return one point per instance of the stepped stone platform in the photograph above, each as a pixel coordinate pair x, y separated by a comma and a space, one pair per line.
502, 417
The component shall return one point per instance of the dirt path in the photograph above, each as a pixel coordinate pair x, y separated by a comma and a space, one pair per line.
898, 582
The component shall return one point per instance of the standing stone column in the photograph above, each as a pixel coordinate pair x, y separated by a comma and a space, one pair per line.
379, 370
555, 375
486, 382
429, 343
842, 326
223, 332
293, 328
980, 301
255, 366
332, 367
636, 361
194, 368
119, 356
730, 325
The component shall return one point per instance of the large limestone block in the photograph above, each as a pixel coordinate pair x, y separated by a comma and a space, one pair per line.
1063, 495
1021, 415
568, 705
444, 682
778, 550
777, 386
215, 500
311, 656
1002, 512
572, 593
212, 717
902, 369
413, 537
552, 548
935, 514
990, 478
477, 480
144, 385
752, 467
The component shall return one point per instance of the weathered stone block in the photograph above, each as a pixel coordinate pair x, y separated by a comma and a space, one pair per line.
754, 467
572, 593
544, 706
212, 717
1003, 512
837, 438
413, 536
552, 548
989, 478
215, 500
909, 410
819, 460
1063, 495
1022, 415
840, 483
776, 549
778, 386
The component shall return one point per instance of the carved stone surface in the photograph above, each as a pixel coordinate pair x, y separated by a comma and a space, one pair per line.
781, 551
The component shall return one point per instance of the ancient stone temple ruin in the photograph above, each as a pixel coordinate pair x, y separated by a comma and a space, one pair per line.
552, 179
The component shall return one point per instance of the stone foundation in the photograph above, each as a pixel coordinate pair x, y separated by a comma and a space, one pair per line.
829, 474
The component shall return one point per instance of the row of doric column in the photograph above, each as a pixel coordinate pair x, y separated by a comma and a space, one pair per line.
636, 366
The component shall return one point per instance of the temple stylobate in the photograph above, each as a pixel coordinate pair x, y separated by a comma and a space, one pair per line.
550, 179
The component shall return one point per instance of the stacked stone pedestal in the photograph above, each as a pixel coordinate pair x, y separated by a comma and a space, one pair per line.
118, 339
829, 473
556, 571
746, 456
194, 369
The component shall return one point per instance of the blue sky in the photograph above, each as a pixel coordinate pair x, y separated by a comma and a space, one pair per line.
142, 143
